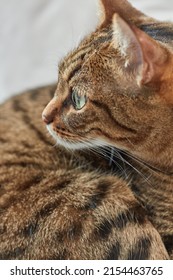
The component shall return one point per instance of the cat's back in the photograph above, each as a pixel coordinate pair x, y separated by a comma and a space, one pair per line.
26, 149
22, 114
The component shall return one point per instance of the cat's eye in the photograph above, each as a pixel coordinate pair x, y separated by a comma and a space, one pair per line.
79, 101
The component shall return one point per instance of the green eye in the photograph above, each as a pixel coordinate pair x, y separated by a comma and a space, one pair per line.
79, 101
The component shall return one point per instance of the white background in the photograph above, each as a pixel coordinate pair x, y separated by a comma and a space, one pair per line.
36, 34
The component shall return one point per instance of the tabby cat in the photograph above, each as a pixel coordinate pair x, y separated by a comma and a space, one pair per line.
106, 190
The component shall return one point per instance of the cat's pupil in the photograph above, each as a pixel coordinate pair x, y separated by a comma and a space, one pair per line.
79, 101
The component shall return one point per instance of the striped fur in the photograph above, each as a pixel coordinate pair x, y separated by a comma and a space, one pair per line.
58, 206
115, 203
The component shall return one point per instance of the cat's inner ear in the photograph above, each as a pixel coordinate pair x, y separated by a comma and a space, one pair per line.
122, 7
143, 57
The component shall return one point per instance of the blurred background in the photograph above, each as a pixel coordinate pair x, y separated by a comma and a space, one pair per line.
36, 34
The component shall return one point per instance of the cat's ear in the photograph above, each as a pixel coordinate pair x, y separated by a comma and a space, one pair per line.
122, 7
143, 56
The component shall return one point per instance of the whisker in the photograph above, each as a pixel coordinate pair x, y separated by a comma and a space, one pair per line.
108, 152
104, 152
142, 162
118, 154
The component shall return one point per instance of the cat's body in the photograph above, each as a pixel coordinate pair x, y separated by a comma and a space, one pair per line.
56, 204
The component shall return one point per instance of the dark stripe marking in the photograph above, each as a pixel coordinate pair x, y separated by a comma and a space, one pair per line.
14, 254
157, 32
135, 215
40, 135
79, 58
47, 210
3, 141
140, 250
74, 231
21, 164
104, 107
101, 132
96, 199
104, 230
114, 252
95, 42
27, 145
3, 229
74, 72
32, 182
168, 241
70, 234
29, 230
17, 107
103, 186
61, 185
33, 94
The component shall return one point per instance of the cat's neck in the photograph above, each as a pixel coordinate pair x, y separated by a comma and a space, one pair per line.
127, 163
155, 149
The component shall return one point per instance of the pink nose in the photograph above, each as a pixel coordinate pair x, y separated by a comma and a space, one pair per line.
50, 111
46, 119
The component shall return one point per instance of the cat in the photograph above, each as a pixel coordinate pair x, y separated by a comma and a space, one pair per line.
106, 190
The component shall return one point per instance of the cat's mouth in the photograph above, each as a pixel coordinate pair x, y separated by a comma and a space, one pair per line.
73, 142
59, 133
65, 139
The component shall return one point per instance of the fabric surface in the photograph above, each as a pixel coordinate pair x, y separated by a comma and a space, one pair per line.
36, 34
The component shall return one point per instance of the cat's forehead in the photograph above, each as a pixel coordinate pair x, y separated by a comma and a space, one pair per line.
89, 45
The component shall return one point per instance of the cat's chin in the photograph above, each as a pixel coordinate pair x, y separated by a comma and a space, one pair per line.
93, 143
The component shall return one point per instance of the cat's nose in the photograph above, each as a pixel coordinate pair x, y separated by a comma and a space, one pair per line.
50, 112
46, 119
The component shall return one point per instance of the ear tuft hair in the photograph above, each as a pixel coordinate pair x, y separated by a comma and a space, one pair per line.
143, 56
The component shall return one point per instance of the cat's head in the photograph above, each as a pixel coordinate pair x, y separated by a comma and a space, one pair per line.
115, 88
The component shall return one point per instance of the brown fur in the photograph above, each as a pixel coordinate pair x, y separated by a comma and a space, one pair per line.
58, 205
